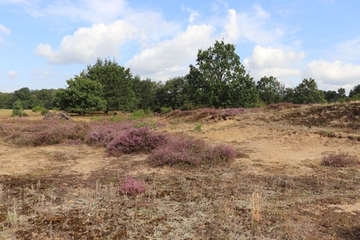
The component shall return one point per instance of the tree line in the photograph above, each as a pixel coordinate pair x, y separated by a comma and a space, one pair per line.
218, 79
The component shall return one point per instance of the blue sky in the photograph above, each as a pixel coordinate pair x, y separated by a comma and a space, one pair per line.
45, 43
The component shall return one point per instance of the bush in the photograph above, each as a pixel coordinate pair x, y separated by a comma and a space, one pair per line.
42, 133
17, 109
131, 186
105, 132
340, 159
40, 109
136, 140
190, 151
164, 110
140, 114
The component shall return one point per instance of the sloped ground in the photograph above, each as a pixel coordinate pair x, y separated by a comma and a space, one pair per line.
275, 189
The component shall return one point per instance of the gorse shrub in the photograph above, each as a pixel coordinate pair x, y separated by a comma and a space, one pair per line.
190, 151
340, 159
131, 186
136, 140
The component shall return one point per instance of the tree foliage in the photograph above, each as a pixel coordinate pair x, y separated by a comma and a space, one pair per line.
355, 92
81, 95
307, 92
219, 80
145, 92
173, 93
116, 82
17, 109
270, 90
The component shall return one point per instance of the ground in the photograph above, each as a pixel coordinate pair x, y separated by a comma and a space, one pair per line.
276, 188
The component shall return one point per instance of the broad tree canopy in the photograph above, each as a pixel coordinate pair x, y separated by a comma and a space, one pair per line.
219, 79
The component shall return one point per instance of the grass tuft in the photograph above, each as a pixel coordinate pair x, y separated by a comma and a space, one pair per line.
340, 159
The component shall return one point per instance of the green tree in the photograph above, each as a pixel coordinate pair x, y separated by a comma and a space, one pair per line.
23, 95
17, 109
145, 91
6, 100
307, 92
330, 95
289, 95
355, 92
116, 82
173, 93
81, 95
43, 98
219, 79
270, 90
341, 93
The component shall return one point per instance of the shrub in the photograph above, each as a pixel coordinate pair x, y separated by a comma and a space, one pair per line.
42, 133
139, 114
164, 110
40, 109
105, 132
198, 127
190, 151
131, 186
340, 159
17, 109
135, 140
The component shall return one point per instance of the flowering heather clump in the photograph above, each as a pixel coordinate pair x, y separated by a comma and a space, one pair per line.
135, 140
104, 133
339, 160
191, 151
131, 186
41, 133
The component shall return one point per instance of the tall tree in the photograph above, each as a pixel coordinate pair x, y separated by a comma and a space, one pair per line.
173, 93
220, 80
117, 84
81, 95
23, 95
307, 92
145, 91
270, 90
355, 92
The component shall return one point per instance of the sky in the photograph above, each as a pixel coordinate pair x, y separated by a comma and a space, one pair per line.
44, 43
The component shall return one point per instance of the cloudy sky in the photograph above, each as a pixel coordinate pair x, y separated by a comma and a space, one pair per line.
44, 43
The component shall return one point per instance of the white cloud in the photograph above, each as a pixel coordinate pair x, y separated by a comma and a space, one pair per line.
84, 10
12, 75
277, 62
170, 58
4, 30
268, 57
231, 28
255, 26
348, 50
193, 14
87, 44
335, 73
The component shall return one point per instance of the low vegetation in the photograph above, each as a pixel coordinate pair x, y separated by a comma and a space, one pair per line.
157, 178
340, 159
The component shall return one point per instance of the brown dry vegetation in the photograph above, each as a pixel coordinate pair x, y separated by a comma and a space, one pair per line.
277, 188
